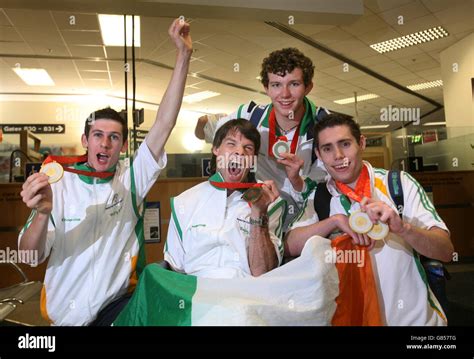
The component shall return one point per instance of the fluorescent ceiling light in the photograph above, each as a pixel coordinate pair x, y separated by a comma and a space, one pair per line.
410, 39
111, 28
425, 85
200, 96
34, 77
373, 126
441, 123
345, 101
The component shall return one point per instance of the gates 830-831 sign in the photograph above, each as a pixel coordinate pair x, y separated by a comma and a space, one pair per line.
50, 128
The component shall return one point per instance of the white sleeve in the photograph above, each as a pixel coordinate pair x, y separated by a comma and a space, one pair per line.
307, 214
242, 112
146, 170
174, 250
418, 209
211, 126
51, 235
276, 218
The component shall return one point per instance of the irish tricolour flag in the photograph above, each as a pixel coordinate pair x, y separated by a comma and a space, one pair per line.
305, 291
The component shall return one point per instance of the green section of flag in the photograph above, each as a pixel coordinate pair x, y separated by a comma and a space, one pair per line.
162, 298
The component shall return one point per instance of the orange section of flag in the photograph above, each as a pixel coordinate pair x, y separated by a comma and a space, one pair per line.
357, 303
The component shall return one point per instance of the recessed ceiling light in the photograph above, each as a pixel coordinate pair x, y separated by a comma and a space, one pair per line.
441, 123
111, 28
345, 101
425, 85
410, 40
200, 96
34, 77
373, 126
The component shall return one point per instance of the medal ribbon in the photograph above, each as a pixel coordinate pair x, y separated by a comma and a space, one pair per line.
237, 185
362, 188
272, 138
69, 160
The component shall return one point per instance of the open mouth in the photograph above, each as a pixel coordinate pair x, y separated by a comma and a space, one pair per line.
235, 170
102, 158
342, 167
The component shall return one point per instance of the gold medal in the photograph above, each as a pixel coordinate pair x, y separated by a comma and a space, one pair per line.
53, 170
360, 222
379, 231
280, 147
253, 194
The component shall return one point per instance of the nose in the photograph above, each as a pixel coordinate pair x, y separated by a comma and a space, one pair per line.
285, 91
105, 142
239, 150
338, 153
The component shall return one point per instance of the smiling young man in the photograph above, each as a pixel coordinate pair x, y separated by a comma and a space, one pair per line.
404, 295
214, 232
287, 77
90, 223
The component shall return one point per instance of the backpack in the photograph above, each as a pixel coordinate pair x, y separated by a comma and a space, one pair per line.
435, 271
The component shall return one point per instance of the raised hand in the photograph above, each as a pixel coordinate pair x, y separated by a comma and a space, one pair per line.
36, 193
179, 32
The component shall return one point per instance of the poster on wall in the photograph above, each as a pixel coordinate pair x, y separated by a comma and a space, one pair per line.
152, 222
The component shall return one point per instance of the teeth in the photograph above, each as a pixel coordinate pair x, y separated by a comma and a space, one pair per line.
341, 166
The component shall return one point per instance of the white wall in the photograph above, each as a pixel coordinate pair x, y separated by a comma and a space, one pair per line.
457, 88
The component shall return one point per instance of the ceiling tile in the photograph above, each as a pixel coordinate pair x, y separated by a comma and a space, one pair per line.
83, 37
87, 51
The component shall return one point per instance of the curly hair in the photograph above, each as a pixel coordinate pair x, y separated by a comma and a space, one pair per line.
284, 61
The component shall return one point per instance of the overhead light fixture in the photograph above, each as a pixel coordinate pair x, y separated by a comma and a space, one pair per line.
425, 85
410, 39
441, 123
345, 101
34, 77
373, 126
200, 96
111, 28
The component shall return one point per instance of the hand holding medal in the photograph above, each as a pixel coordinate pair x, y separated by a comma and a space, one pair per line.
53, 170
359, 221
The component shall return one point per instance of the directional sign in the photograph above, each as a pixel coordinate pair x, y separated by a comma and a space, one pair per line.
140, 133
51, 128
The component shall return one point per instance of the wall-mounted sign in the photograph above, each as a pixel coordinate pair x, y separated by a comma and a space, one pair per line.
51, 128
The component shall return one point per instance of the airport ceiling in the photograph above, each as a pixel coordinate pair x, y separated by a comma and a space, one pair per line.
78, 61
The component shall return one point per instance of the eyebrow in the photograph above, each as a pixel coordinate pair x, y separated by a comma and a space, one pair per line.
340, 141
113, 132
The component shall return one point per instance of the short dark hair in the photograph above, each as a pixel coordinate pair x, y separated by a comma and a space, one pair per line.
284, 61
243, 126
336, 119
106, 114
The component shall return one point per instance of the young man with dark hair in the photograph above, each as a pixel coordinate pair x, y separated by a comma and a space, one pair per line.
354, 185
90, 223
214, 232
287, 77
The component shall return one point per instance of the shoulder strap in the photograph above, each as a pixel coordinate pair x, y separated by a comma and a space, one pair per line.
257, 113
396, 190
322, 201
318, 116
